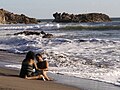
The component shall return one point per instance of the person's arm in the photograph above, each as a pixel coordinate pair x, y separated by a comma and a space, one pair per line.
35, 65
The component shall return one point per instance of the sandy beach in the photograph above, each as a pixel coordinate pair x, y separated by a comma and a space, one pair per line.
9, 79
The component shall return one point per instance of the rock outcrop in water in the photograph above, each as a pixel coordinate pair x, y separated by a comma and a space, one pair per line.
7, 17
90, 17
44, 35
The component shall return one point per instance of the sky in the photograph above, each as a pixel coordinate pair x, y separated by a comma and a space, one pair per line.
44, 9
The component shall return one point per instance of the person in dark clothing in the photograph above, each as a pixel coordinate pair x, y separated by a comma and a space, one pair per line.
42, 65
27, 67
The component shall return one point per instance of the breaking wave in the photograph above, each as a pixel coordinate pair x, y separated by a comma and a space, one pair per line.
89, 53
64, 26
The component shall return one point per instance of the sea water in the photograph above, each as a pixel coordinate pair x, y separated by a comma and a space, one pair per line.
85, 50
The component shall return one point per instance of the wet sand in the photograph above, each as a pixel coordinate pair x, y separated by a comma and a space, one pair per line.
9, 79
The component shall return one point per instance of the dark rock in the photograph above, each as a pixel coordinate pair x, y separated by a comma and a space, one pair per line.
90, 17
35, 33
2, 18
27, 33
11, 18
42, 32
47, 36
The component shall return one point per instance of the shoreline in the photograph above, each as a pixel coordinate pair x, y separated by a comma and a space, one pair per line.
9, 79
64, 80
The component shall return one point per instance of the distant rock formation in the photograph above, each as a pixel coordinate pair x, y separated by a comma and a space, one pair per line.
7, 17
2, 17
90, 17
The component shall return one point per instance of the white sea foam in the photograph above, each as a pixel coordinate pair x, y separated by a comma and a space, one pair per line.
13, 66
30, 27
86, 54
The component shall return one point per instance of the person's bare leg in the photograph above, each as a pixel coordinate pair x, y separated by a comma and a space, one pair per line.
35, 77
45, 75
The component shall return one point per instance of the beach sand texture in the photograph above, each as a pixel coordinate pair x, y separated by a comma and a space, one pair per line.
9, 79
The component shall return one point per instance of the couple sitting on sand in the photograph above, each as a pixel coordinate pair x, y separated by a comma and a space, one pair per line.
29, 64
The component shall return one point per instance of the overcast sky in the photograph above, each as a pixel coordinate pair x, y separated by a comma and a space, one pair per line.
45, 8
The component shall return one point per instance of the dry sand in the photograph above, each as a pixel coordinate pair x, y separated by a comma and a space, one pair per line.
9, 79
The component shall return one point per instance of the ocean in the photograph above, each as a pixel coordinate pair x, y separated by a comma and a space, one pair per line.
83, 50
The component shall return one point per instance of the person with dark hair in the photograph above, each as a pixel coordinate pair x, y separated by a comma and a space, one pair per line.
27, 67
42, 65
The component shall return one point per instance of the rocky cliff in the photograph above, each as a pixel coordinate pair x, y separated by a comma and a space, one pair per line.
7, 17
90, 17
2, 17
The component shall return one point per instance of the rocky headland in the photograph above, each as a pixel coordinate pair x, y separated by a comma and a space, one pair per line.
90, 17
7, 17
